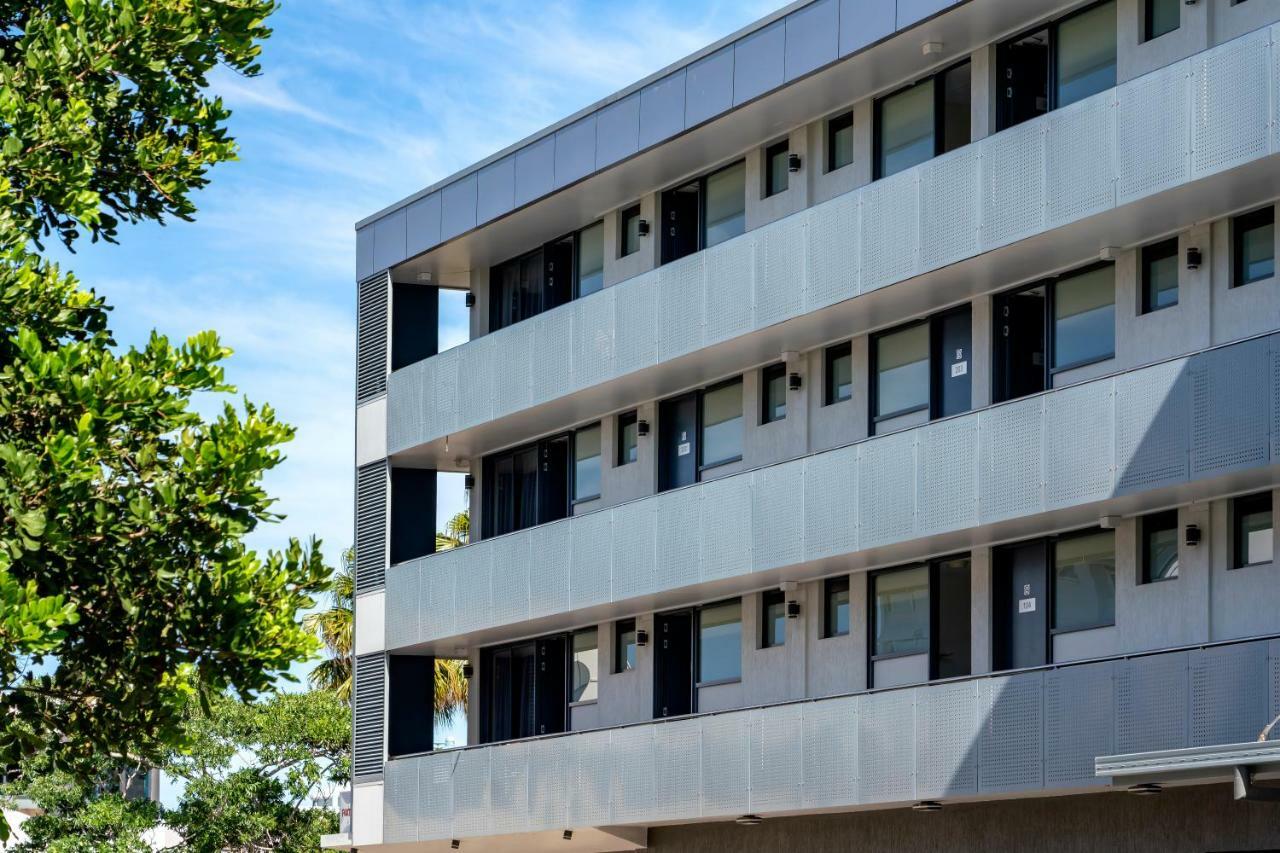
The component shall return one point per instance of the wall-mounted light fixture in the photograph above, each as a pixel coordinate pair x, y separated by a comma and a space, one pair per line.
749, 820
642, 228
1194, 258
468, 671
470, 299
469, 482
455, 844
793, 163
927, 806
642, 427
794, 382
1192, 534
793, 610
642, 637
568, 835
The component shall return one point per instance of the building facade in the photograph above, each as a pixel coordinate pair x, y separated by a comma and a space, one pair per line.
871, 427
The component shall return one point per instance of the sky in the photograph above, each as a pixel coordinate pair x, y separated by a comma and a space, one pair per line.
361, 103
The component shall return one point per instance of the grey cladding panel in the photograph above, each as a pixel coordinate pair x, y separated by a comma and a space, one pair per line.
1079, 723
389, 240
575, 151
617, 131
708, 87
1275, 382
758, 61
371, 526
368, 704
424, 224
497, 189
364, 251
1012, 729
1229, 428
458, 207
1229, 701
913, 11
864, 22
662, 109
1151, 703
535, 170
813, 37
400, 802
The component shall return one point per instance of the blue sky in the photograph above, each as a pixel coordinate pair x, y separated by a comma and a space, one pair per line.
362, 102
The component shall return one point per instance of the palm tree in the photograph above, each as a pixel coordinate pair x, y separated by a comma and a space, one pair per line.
335, 628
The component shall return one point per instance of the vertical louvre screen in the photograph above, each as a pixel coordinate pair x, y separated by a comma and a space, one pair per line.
371, 336
371, 526
366, 753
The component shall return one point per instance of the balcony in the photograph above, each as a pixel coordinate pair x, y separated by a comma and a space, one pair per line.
1097, 166
1208, 422
1023, 733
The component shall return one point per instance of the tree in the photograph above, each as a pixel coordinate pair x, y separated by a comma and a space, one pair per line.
124, 581
335, 628
456, 533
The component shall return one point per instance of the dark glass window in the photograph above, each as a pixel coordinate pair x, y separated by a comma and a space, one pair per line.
835, 595
1253, 238
629, 225
1086, 54
590, 246
902, 371
1252, 532
775, 168
546, 278
839, 141
839, 378
1084, 317
720, 642
586, 463
1084, 581
1159, 546
1160, 17
624, 647
628, 438
773, 619
1160, 275
585, 666
922, 121
773, 393
726, 204
704, 212
526, 486
900, 612
722, 423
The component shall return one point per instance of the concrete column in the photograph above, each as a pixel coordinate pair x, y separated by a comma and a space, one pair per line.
980, 608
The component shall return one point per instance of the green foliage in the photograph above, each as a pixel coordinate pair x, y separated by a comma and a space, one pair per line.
125, 586
104, 112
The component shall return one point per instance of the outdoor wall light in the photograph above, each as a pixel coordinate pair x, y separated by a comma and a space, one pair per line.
470, 299
793, 163
793, 381
1193, 258
1146, 789
642, 637
749, 820
455, 844
642, 427
927, 806
1192, 535
568, 835
468, 671
642, 228
469, 482
793, 610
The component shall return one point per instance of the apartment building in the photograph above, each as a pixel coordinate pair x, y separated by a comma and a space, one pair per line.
871, 427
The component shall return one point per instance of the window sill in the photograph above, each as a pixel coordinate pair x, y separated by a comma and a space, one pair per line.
834, 636
1158, 309
718, 682
585, 703
1152, 581
1236, 285
879, 419
1058, 632
1252, 565
895, 655
588, 499
711, 466
837, 402
1075, 365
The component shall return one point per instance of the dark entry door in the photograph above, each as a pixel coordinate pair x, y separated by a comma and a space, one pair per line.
681, 209
673, 664
1020, 344
553, 686
1021, 606
553, 479
557, 273
678, 442
953, 357
1023, 83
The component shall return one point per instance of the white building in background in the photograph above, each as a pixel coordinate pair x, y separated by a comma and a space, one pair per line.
874, 413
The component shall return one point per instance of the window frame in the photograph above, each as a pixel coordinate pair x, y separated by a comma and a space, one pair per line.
575, 274
932, 569
624, 626
939, 116
624, 219
781, 148
768, 375
1241, 224
703, 245
830, 356
698, 612
1149, 255
1241, 506
832, 586
702, 464
874, 374
1051, 329
573, 467
1168, 520
573, 658
768, 599
872, 577
624, 420
1051, 550
1148, 20
836, 124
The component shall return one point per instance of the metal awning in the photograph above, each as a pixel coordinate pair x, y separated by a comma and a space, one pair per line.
1238, 763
